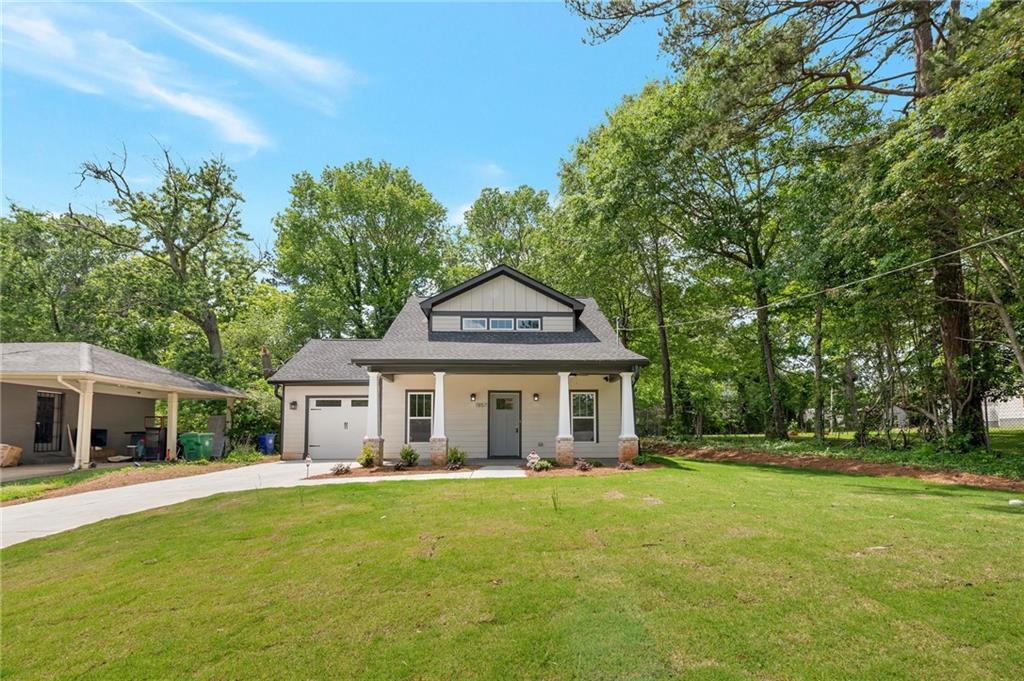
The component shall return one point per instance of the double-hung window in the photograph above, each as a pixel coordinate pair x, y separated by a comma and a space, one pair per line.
420, 416
501, 323
584, 416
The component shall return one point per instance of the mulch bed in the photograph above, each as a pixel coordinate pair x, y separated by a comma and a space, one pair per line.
853, 466
390, 472
596, 471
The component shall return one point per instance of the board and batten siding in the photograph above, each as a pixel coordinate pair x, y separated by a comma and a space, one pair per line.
293, 426
466, 421
501, 294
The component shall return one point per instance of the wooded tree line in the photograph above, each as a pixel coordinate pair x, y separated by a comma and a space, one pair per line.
772, 227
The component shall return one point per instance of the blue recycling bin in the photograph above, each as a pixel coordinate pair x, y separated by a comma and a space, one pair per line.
265, 441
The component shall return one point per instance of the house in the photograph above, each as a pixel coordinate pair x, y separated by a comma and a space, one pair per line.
1005, 413
47, 389
498, 366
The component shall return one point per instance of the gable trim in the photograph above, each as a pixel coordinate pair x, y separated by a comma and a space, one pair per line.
428, 304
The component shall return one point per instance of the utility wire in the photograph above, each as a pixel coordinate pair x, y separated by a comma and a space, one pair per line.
743, 311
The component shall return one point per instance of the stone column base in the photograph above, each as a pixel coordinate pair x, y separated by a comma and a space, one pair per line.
565, 451
438, 451
629, 447
376, 445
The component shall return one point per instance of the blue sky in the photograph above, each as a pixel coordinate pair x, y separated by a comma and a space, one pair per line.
466, 95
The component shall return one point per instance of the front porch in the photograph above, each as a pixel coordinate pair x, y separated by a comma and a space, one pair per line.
494, 417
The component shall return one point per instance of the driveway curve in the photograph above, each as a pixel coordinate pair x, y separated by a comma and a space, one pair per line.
34, 519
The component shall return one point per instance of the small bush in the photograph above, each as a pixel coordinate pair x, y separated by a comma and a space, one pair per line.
366, 457
641, 459
408, 456
244, 454
456, 456
341, 469
595, 463
543, 465
200, 462
582, 465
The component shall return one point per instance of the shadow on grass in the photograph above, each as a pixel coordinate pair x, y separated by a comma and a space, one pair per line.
1012, 510
667, 462
924, 490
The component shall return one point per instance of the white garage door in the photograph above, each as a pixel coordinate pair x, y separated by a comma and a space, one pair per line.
336, 427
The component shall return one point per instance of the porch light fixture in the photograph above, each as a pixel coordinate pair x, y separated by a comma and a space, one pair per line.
293, 405
536, 397
472, 397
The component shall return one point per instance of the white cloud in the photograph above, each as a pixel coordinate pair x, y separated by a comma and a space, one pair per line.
489, 171
289, 67
81, 57
457, 215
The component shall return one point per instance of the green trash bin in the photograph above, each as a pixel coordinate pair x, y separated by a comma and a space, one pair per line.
196, 446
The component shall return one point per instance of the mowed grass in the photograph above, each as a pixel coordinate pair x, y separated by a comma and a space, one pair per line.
698, 570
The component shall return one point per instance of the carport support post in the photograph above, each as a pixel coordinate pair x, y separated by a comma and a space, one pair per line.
373, 440
83, 440
172, 426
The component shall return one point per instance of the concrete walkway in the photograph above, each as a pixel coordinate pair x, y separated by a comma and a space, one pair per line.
32, 519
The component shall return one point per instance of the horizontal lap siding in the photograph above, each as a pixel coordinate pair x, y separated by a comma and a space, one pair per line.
466, 421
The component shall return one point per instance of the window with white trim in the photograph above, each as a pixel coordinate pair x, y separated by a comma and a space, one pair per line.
528, 324
501, 323
419, 416
474, 323
584, 416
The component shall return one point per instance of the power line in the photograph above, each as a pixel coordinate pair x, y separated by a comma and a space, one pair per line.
741, 312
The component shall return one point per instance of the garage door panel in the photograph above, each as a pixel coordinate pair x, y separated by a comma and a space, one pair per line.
336, 425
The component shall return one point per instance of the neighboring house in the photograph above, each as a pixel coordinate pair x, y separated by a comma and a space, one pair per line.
48, 388
497, 366
1008, 413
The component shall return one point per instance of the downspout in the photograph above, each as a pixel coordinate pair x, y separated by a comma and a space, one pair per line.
74, 451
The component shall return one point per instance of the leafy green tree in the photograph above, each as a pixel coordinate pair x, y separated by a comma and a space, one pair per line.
502, 226
355, 244
187, 232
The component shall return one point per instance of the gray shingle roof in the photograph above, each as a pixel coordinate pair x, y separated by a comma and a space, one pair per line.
85, 358
325, 361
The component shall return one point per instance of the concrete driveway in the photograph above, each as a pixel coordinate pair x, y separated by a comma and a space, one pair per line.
32, 519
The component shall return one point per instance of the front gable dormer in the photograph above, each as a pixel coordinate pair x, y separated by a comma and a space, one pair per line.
502, 299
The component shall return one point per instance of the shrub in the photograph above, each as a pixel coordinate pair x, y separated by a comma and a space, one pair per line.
456, 456
408, 456
582, 465
366, 457
596, 463
341, 469
244, 454
641, 459
201, 462
543, 465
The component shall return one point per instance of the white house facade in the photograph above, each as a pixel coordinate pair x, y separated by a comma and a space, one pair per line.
498, 366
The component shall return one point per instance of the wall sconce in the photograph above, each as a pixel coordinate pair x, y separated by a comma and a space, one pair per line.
472, 397
293, 405
536, 397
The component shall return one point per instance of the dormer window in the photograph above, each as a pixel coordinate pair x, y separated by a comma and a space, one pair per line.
501, 323
528, 324
474, 323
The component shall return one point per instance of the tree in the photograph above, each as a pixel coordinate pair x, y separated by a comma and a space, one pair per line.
355, 244
188, 231
788, 54
502, 226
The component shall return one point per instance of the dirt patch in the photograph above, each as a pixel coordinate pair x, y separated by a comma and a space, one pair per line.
614, 495
852, 466
390, 472
592, 473
123, 477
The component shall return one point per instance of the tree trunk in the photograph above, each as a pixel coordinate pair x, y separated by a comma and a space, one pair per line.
212, 330
819, 393
1004, 317
666, 366
776, 426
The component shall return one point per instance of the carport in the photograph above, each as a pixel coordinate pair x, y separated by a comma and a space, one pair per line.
47, 387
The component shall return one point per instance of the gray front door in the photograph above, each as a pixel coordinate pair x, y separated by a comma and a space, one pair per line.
503, 424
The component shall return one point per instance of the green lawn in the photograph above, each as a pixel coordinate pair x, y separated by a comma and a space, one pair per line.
701, 570
1005, 459
34, 487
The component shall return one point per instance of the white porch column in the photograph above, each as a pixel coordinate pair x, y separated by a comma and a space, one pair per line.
83, 443
172, 426
629, 444
565, 453
373, 441
438, 439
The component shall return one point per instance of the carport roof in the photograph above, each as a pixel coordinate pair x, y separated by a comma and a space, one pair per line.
91, 362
